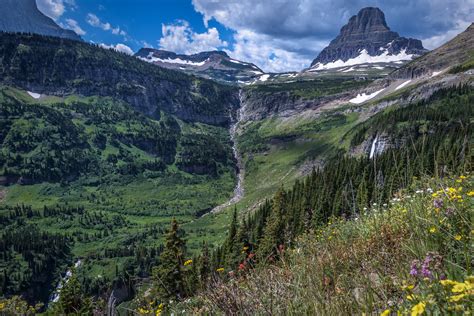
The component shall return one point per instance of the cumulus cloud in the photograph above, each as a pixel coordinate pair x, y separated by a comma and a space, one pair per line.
95, 21
52, 8
118, 47
73, 25
180, 38
312, 24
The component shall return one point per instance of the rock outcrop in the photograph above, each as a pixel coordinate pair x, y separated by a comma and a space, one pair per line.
368, 33
23, 16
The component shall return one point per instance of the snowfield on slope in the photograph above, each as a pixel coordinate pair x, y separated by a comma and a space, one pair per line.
361, 98
365, 58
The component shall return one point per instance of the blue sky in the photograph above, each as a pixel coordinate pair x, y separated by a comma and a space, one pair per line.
277, 35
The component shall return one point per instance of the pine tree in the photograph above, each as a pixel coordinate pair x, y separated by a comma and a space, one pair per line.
169, 276
273, 232
72, 300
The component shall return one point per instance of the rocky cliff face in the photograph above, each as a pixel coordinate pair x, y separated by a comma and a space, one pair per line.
23, 16
216, 65
367, 35
59, 67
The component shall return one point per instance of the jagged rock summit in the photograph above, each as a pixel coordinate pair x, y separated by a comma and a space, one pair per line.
366, 38
23, 16
215, 65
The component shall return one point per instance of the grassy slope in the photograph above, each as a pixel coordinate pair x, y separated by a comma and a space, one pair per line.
147, 200
363, 265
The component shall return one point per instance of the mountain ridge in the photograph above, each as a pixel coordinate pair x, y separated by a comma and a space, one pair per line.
367, 35
216, 65
23, 16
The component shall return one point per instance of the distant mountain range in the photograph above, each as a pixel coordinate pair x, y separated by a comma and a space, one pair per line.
215, 65
367, 40
23, 16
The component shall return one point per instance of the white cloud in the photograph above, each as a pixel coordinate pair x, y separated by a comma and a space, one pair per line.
94, 21
180, 38
119, 47
52, 8
269, 53
294, 31
73, 25
438, 40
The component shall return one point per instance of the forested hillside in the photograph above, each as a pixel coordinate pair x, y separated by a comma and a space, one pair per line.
60, 67
436, 135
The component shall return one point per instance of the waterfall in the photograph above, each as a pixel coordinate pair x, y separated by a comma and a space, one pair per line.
374, 147
55, 296
233, 131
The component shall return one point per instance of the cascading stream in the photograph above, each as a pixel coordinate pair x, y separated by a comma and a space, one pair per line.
239, 188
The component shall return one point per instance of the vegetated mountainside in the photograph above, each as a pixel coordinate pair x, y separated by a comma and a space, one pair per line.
99, 159
61, 67
289, 128
23, 16
216, 65
106, 179
256, 268
457, 52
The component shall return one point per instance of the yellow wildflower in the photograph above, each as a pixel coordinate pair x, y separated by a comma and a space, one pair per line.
385, 312
470, 193
2, 306
143, 311
462, 177
462, 287
433, 230
458, 237
418, 309
188, 262
448, 282
410, 297
457, 298
159, 310
220, 270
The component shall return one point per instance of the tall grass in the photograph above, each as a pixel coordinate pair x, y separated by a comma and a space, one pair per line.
411, 256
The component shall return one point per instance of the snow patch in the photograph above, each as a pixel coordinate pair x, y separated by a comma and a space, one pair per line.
402, 85
361, 98
152, 59
238, 62
34, 95
263, 78
365, 58
435, 73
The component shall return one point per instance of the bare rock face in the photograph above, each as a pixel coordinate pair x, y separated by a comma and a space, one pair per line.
368, 31
23, 16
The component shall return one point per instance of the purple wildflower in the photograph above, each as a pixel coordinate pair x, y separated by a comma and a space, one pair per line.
449, 211
425, 271
414, 268
438, 203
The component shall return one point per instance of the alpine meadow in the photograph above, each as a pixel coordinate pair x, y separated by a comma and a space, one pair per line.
205, 157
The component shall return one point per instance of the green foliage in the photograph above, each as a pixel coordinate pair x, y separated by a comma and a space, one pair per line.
72, 300
30, 259
169, 275
346, 186
70, 67
413, 254
311, 89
